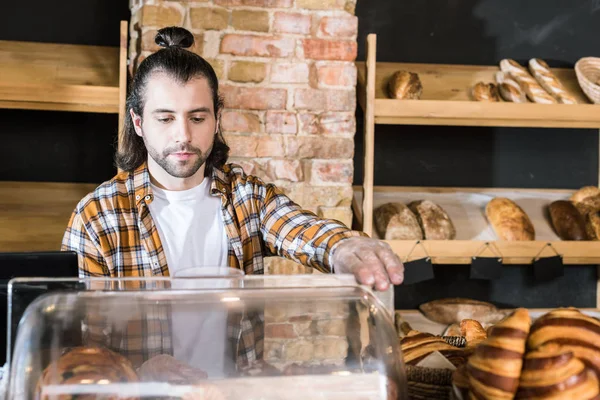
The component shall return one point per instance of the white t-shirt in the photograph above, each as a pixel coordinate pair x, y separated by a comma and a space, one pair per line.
192, 232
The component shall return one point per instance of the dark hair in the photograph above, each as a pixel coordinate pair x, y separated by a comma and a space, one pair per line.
182, 65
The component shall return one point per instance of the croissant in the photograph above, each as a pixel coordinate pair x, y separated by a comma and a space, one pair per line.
418, 345
495, 366
553, 372
473, 332
571, 329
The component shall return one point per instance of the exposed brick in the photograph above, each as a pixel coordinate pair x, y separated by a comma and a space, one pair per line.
276, 312
256, 3
320, 100
335, 123
207, 18
332, 327
289, 170
309, 124
260, 46
328, 196
148, 43
218, 66
334, 171
269, 145
350, 6
241, 145
273, 350
247, 165
280, 331
238, 121
341, 214
329, 349
319, 147
281, 122
306, 328
321, 4
291, 23
246, 71
299, 350
301, 318
338, 27
336, 75
290, 73
321, 49
256, 98
245, 20
161, 15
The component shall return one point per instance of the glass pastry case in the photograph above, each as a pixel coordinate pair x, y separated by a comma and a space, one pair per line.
234, 337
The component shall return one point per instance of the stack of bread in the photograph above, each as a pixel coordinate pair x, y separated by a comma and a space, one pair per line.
515, 83
418, 220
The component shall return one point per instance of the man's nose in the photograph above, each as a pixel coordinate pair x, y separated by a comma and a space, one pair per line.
183, 133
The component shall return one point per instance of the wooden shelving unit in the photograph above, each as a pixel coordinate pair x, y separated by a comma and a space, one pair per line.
445, 101
57, 77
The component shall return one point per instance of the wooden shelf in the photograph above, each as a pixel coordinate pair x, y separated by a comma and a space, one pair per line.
470, 223
445, 100
34, 216
64, 77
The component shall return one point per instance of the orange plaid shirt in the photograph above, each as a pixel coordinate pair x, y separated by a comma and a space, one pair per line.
115, 236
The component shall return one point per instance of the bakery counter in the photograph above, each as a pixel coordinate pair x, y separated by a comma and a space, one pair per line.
474, 235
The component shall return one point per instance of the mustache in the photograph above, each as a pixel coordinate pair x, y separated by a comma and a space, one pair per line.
181, 149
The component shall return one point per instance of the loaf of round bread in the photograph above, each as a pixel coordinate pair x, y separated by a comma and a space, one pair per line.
495, 366
552, 372
84, 366
567, 221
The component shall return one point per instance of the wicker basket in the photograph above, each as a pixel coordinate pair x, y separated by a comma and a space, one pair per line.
587, 70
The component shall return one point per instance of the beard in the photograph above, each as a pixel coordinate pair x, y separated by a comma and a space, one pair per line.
177, 168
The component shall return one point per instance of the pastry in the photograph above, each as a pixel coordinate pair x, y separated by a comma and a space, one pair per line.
584, 193
592, 225
509, 89
546, 78
434, 221
395, 221
86, 365
495, 367
532, 88
166, 368
572, 330
485, 92
418, 345
454, 310
508, 220
552, 372
453, 330
405, 85
567, 221
473, 332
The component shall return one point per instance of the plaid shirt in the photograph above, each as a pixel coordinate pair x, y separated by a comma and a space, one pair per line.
115, 236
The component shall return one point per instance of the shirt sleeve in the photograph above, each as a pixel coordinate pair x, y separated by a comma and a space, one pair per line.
297, 234
77, 239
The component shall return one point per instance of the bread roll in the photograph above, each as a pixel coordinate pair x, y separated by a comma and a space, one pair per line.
567, 221
509, 89
473, 332
485, 92
166, 368
395, 221
405, 85
434, 221
418, 345
454, 310
453, 330
592, 225
552, 372
546, 78
584, 193
508, 220
571, 329
86, 365
495, 366
532, 88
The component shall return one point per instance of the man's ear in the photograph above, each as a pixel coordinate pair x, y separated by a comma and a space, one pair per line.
137, 122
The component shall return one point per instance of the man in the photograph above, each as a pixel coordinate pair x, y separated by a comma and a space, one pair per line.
178, 204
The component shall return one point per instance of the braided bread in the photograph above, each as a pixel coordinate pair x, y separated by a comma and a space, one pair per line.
532, 88
495, 366
86, 365
552, 372
571, 329
418, 345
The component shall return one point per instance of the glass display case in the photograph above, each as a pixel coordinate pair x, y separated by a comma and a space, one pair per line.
215, 337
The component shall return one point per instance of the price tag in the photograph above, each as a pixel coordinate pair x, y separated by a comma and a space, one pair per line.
418, 271
488, 268
548, 268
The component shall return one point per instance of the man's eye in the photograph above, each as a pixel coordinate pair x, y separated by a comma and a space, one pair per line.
197, 119
165, 120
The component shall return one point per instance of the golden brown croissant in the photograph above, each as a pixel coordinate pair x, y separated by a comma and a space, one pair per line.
571, 329
418, 345
495, 366
473, 332
552, 372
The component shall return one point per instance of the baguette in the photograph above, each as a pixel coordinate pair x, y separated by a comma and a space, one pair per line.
508, 220
485, 92
395, 221
509, 89
546, 78
532, 88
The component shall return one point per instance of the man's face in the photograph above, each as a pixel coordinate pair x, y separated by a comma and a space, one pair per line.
178, 124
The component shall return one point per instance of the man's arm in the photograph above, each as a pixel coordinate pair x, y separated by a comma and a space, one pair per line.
297, 234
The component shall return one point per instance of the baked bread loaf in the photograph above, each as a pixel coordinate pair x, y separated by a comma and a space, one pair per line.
395, 221
405, 85
571, 329
585, 193
86, 365
454, 310
546, 78
567, 221
509, 89
592, 225
473, 332
485, 92
166, 368
552, 372
418, 345
508, 220
434, 221
532, 88
495, 366
587, 202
